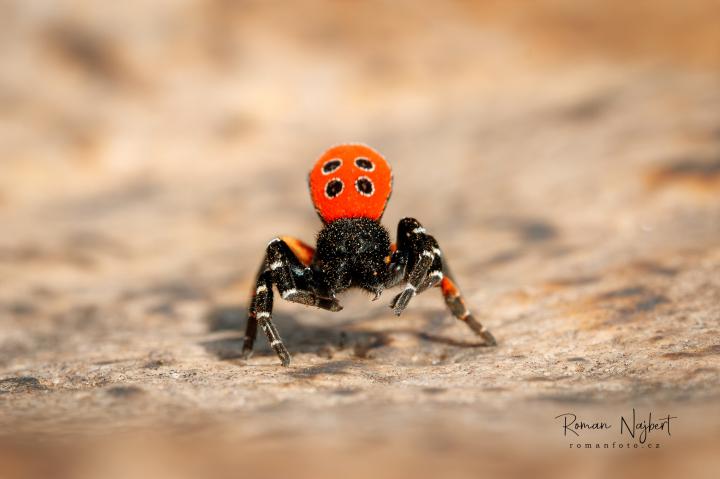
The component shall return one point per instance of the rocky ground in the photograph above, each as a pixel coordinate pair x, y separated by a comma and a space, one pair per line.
567, 159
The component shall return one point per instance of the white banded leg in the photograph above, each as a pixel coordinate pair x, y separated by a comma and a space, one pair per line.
435, 273
423, 261
293, 280
261, 314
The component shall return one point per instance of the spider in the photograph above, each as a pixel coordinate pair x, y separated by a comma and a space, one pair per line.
350, 186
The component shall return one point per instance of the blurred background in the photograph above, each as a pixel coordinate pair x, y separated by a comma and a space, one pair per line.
566, 154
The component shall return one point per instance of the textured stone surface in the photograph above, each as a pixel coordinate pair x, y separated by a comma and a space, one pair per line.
567, 162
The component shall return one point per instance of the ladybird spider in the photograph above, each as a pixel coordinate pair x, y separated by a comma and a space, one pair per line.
350, 186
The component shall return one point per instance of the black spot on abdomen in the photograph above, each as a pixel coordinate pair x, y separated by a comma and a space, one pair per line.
333, 188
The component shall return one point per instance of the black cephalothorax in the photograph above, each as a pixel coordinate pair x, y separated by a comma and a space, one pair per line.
352, 252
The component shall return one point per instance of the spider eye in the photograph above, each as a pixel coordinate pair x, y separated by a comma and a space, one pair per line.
331, 165
364, 164
333, 188
364, 186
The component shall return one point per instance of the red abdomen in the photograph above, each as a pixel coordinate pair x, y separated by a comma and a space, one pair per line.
350, 181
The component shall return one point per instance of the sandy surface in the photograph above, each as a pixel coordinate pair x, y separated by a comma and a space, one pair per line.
567, 161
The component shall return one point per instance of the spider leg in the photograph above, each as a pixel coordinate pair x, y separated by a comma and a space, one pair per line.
288, 271
261, 313
419, 249
426, 268
458, 308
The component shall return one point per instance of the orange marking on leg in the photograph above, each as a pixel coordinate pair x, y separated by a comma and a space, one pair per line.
303, 251
449, 290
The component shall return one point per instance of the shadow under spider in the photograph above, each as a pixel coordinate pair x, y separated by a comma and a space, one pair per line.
304, 338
